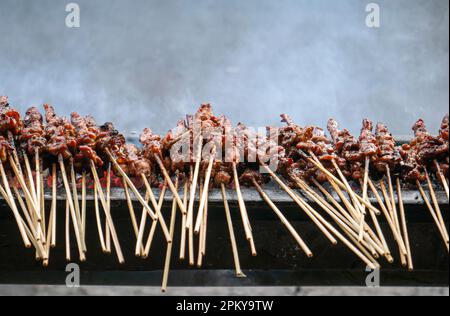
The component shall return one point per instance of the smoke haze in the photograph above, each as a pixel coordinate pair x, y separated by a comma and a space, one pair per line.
148, 63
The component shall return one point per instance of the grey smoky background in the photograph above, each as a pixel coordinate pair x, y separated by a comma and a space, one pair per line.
147, 63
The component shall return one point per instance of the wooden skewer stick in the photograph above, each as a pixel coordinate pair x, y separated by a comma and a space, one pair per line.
157, 210
32, 186
204, 196
38, 200
433, 214
76, 204
392, 197
83, 204
108, 215
31, 232
340, 220
170, 245
99, 220
139, 243
205, 225
437, 208
76, 225
29, 199
54, 206
348, 217
14, 209
200, 237
346, 226
404, 226
342, 185
243, 209
284, 220
203, 233
303, 205
171, 185
356, 215
390, 202
26, 214
183, 223
381, 235
42, 202
389, 219
132, 212
151, 235
237, 264
131, 185
364, 189
321, 222
108, 203
194, 181
67, 233
442, 178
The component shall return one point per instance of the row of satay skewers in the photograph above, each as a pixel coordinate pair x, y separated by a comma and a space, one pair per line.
79, 151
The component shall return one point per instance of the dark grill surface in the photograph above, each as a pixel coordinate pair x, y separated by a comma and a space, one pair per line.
279, 260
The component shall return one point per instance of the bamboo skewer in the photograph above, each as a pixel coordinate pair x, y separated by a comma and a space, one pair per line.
437, 208
340, 220
28, 219
364, 188
200, 237
171, 185
390, 202
433, 214
392, 197
396, 233
54, 206
32, 187
194, 180
204, 196
284, 220
321, 222
157, 210
140, 238
378, 229
237, 264
243, 209
151, 235
76, 204
99, 220
14, 209
72, 209
67, 233
342, 185
348, 216
131, 186
132, 212
203, 233
442, 178
302, 205
183, 223
404, 226
29, 199
108, 215
345, 226
108, 203
170, 245
348, 188
42, 207
83, 204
